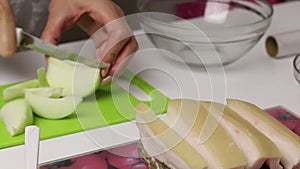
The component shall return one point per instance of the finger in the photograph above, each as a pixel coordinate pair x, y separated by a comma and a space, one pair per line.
109, 12
7, 29
92, 28
98, 15
117, 30
110, 49
106, 80
118, 35
88, 24
53, 30
110, 55
115, 26
124, 58
57, 23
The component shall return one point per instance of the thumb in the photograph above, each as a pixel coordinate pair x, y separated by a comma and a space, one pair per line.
7, 29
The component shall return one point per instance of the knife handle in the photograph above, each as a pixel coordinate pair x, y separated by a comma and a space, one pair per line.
19, 36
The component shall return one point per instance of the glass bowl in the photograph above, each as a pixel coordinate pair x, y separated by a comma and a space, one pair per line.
205, 32
296, 65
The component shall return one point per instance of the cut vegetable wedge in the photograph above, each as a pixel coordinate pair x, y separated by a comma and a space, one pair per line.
50, 92
75, 78
41, 73
188, 118
257, 148
16, 115
52, 108
18, 90
164, 143
287, 142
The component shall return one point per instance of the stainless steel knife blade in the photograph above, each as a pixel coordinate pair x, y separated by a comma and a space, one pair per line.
29, 41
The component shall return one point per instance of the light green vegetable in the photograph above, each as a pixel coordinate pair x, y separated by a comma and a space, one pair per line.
75, 78
41, 73
18, 90
50, 92
16, 115
52, 108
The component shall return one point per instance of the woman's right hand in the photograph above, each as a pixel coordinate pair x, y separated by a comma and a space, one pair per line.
7, 30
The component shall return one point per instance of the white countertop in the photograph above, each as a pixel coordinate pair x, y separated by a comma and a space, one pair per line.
256, 77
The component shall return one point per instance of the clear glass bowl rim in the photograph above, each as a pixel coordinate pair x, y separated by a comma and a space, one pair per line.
295, 63
268, 17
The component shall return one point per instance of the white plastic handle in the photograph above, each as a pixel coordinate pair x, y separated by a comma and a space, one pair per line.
19, 36
32, 141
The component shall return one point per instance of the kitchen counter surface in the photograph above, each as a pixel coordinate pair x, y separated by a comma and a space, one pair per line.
257, 78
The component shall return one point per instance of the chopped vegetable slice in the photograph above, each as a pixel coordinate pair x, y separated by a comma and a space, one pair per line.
75, 78
16, 115
52, 108
18, 90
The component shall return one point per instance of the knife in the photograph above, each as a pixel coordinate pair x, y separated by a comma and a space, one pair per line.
29, 41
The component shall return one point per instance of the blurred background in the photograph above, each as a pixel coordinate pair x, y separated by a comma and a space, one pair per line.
129, 7
75, 33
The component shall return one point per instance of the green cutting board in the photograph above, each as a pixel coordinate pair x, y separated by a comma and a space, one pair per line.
110, 105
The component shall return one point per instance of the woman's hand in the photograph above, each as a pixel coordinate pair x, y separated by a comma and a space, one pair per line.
103, 20
7, 30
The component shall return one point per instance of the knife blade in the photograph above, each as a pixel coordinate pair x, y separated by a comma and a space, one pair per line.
29, 41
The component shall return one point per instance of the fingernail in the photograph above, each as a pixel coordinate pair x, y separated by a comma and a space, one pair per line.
104, 72
106, 80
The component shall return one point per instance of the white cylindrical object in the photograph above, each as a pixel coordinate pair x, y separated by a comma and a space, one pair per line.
283, 44
32, 141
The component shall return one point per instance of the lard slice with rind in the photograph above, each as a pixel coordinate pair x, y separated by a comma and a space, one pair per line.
188, 117
163, 143
257, 148
287, 142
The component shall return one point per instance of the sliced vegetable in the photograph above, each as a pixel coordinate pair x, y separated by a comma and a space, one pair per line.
52, 108
162, 142
16, 115
41, 73
18, 90
287, 142
188, 117
75, 78
50, 92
